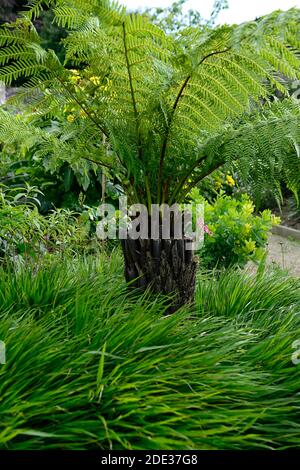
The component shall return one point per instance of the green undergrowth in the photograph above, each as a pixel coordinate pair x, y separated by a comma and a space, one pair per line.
92, 365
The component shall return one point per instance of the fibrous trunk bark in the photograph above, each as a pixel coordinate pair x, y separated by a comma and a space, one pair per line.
165, 266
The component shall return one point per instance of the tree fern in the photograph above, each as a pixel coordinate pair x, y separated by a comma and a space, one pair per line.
159, 100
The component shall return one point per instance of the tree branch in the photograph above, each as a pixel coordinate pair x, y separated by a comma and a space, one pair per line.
97, 163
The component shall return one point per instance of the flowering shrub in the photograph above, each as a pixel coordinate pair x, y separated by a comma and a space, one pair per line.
234, 234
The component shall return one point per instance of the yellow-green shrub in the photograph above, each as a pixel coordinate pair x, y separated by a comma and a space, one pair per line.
234, 234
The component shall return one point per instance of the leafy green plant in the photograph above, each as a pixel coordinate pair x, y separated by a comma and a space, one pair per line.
61, 183
193, 103
234, 234
25, 234
19, 223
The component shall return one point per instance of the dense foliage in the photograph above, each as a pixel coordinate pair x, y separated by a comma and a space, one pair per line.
149, 100
235, 235
27, 236
90, 366
162, 107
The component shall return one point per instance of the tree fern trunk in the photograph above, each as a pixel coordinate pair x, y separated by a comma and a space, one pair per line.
165, 266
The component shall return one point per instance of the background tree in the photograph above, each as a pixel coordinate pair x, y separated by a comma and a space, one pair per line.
174, 19
161, 112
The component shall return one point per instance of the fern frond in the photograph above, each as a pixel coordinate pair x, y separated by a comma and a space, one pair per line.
262, 149
35, 8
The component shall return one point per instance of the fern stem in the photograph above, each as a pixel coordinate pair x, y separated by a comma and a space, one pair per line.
185, 177
201, 177
136, 115
97, 163
175, 105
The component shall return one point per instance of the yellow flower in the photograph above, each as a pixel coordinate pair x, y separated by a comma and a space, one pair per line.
229, 180
71, 118
95, 80
75, 77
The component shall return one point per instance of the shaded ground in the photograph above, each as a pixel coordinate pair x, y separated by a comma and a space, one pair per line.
289, 213
285, 253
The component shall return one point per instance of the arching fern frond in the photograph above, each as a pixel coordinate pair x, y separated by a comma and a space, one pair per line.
263, 149
54, 145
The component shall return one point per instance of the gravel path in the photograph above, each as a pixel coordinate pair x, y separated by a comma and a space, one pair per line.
285, 253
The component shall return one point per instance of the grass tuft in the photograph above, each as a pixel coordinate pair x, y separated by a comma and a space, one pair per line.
90, 365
